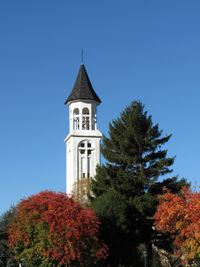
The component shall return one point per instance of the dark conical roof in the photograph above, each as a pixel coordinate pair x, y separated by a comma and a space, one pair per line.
83, 89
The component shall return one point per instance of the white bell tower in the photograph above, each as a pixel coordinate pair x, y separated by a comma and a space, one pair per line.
83, 140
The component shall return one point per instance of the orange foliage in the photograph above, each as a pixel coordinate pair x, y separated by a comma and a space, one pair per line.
57, 229
180, 216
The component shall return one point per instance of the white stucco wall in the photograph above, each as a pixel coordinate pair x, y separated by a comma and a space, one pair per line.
75, 137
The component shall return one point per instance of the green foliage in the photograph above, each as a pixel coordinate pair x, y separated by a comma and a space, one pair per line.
5, 221
125, 187
11, 263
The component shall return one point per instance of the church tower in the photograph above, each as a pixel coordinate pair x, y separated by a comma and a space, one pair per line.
83, 140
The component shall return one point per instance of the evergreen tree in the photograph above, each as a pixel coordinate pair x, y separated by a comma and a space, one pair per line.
123, 191
5, 220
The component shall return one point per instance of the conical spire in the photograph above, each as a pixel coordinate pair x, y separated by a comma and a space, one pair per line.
83, 89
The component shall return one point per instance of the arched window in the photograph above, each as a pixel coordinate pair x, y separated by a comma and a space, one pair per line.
85, 119
76, 120
85, 159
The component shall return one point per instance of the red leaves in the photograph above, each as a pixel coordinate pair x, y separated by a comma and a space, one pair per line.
60, 229
180, 216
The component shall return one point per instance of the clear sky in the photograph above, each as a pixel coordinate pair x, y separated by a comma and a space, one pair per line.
133, 50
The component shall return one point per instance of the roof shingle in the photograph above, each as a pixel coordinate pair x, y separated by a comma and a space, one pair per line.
83, 89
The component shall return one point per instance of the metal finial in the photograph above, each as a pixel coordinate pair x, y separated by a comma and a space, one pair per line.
82, 56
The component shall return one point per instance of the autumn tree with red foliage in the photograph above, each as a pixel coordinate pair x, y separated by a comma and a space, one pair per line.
179, 215
50, 229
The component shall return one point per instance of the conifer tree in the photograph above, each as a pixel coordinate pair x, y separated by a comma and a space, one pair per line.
133, 149
6, 257
121, 194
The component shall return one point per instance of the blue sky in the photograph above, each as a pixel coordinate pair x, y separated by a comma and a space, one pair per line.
133, 50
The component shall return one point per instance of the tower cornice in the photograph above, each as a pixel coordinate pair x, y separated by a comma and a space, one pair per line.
96, 134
